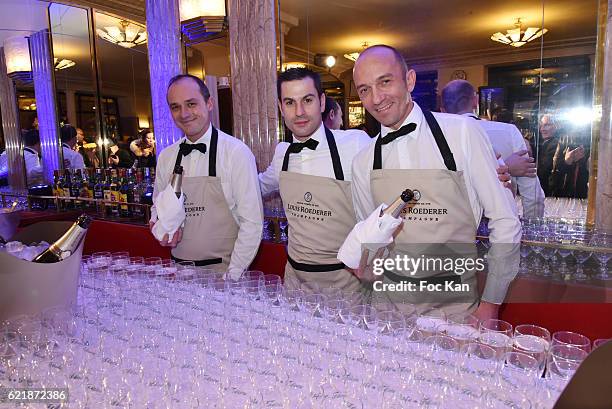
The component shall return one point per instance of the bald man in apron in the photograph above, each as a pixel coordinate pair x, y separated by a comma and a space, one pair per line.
449, 160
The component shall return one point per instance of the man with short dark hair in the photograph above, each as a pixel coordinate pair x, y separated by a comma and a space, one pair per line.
332, 115
459, 97
31, 157
222, 199
449, 161
313, 176
72, 159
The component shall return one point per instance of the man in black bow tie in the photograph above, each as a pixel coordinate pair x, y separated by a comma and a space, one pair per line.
224, 220
313, 176
449, 160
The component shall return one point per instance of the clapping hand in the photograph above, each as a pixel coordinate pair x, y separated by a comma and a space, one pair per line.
574, 155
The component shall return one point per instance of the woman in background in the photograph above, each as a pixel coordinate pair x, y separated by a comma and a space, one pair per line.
144, 149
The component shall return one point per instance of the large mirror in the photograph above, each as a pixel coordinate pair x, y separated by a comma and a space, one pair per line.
541, 80
125, 96
19, 20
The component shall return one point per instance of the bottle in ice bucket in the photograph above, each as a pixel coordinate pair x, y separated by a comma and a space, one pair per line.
67, 244
395, 210
177, 180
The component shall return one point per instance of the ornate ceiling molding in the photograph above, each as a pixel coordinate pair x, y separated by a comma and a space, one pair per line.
131, 9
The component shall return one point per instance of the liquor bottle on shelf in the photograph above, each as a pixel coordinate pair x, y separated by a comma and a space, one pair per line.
137, 191
66, 189
56, 183
124, 190
107, 192
149, 178
98, 191
75, 188
114, 193
88, 185
63, 247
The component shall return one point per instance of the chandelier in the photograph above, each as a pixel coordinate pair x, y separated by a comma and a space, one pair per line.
128, 36
517, 37
353, 56
62, 64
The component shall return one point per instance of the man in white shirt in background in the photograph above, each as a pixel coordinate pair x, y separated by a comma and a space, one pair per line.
460, 97
222, 199
449, 160
31, 157
332, 115
313, 176
72, 159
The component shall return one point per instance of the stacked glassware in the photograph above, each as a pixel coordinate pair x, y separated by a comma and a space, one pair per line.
150, 333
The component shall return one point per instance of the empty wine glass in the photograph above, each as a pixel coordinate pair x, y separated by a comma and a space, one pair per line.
573, 339
603, 253
600, 341
581, 256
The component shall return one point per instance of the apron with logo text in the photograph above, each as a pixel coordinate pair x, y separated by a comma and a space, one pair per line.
441, 223
210, 229
320, 215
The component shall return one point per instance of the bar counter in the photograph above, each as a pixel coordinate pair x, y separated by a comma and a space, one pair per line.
583, 308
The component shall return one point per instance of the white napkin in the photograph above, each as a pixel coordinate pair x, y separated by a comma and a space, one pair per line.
170, 213
375, 232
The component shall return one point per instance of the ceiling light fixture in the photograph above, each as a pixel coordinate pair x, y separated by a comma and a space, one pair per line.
128, 36
517, 37
17, 56
353, 56
203, 20
324, 60
62, 64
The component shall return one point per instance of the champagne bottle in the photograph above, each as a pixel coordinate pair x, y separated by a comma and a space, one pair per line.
177, 180
364, 270
67, 244
399, 204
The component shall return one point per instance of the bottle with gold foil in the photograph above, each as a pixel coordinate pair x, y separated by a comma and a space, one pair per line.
66, 245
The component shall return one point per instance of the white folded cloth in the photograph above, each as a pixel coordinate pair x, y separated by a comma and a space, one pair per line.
170, 213
372, 233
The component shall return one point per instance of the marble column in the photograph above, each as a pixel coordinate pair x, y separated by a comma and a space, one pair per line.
603, 199
211, 83
10, 127
252, 26
44, 90
165, 61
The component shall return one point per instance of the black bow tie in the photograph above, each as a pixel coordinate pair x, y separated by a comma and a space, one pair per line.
186, 148
404, 130
296, 147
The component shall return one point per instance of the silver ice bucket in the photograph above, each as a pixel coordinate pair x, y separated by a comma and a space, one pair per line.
30, 288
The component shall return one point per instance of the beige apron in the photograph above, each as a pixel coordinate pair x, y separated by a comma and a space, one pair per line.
320, 215
442, 215
210, 229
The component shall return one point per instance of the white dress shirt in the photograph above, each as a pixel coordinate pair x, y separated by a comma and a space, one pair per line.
237, 171
75, 160
474, 156
506, 140
317, 162
34, 169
